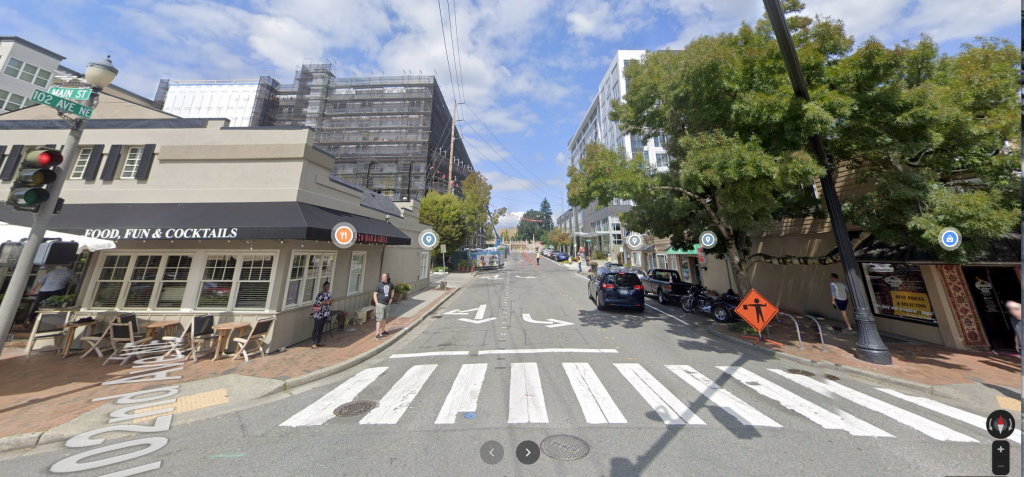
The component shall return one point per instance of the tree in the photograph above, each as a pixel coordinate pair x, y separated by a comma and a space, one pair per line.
545, 212
492, 222
529, 226
446, 214
557, 238
937, 134
477, 196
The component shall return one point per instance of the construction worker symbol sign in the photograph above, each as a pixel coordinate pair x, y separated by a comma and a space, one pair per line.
428, 239
343, 235
755, 310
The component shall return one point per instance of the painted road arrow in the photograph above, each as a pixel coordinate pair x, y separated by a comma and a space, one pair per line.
517, 276
551, 322
478, 309
479, 316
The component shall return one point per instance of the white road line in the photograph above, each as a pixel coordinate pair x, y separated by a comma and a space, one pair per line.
907, 418
322, 410
960, 415
598, 406
480, 312
546, 350
398, 399
526, 398
668, 315
464, 394
430, 353
817, 414
669, 407
744, 412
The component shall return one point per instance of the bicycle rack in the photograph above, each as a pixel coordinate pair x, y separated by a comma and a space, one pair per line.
799, 341
798, 337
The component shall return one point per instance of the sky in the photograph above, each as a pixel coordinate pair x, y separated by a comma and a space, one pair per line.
526, 70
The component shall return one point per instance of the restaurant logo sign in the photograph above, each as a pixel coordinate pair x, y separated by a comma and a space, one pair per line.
162, 233
344, 235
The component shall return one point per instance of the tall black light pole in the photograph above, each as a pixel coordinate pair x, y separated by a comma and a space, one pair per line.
870, 347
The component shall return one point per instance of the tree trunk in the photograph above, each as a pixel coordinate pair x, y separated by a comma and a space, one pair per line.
739, 268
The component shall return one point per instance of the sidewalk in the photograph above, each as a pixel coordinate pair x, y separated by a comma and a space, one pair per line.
929, 367
43, 392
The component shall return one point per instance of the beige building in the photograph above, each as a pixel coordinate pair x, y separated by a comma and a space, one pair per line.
234, 222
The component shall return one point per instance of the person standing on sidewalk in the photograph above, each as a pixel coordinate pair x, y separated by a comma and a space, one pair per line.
382, 303
52, 284
840, 297
1013, 308
321, 313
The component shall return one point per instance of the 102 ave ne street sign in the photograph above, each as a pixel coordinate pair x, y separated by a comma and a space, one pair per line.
77, 94
62, 104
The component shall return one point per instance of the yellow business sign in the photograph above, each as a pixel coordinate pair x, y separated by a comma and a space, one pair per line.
911, 305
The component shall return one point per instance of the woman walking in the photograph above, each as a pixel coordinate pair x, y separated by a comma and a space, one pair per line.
321, 313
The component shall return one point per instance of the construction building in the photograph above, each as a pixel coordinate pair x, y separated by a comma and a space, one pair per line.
389, 134
244, 102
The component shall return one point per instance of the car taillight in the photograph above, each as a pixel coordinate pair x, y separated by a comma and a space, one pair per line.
608, 285
638, 287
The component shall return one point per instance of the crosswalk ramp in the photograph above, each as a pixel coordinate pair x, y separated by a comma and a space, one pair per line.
772, 399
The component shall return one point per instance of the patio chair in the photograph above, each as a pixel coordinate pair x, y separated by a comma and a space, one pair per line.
258, 334
197, 332
47, 325
96, 340
133, 320
121, 335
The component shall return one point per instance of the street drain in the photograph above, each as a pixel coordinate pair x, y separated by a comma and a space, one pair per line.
354, 408
564, 447
831, 378
800, 372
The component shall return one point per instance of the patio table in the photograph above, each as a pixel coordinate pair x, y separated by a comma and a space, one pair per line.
69, 335
165, 325
224, 331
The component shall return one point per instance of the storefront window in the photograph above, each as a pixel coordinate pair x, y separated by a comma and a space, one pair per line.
898, 290
111, 279
308, 273
217, 282
254, 281
144, 274
355, 274
424, 265
175, 278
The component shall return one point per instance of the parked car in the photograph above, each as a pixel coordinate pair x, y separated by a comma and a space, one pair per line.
561, 256
665, 284
638, 271
616, 288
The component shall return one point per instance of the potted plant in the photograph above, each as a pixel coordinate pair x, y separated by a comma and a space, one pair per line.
58, 301
462, 265
402, 291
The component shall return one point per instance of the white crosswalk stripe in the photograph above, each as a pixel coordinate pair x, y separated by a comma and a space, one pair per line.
814, 412
464, 394
322, 410
597, 405
829, 389
744, 412
398, 399
970, 418
669, 407
526, 398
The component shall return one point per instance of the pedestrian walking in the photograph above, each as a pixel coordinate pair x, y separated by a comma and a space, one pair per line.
840, 298
321, 314
52, 284
579, 262
382, 296
1013, 308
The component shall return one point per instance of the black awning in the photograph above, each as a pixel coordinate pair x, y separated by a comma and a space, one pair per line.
211, 221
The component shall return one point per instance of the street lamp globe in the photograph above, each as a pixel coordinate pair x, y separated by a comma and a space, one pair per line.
101, 73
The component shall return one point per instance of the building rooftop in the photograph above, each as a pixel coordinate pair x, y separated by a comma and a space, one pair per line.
28, 44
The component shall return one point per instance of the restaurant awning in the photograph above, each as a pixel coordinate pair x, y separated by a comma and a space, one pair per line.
17, 233
212, 221
690, 251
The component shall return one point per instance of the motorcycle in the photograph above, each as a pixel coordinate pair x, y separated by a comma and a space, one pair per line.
697, 299
722, 308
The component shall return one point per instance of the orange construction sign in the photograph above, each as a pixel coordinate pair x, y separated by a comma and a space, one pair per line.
755, 310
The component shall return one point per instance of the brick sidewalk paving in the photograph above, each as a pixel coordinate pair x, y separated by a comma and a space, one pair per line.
45, 391
924, 363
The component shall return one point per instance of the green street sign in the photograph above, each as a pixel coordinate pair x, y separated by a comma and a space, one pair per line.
62, 104
77, 94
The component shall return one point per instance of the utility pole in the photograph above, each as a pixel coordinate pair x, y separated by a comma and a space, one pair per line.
99, 75
451, 152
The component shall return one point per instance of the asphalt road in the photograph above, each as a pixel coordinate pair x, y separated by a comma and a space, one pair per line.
627, 384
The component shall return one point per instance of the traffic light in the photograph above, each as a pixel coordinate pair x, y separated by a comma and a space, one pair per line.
28, 190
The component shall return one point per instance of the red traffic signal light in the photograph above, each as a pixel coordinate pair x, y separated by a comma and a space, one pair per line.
42, 158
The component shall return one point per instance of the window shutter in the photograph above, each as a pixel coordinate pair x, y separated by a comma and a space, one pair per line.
145, 162
93, 165
11, 164
110, 168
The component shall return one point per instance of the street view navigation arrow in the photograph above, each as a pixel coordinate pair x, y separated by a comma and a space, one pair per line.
56, 102
551, 322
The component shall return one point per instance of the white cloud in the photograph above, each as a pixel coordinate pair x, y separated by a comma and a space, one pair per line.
560, 158
481, 151
510, 220
599, 19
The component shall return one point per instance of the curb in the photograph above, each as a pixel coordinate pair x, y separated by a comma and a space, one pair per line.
927, 388
351, 362
19, 441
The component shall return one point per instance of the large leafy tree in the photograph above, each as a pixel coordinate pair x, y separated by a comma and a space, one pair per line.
557, 238
530, 226
477, 196
934, 133
446, 214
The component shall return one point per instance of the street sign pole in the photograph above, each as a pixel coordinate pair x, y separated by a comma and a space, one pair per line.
22, 271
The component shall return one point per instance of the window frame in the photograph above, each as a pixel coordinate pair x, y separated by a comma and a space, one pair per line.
362, 275
21, 71
7, 100
424, 265
128, 161
83, 160
158, 282
304, 279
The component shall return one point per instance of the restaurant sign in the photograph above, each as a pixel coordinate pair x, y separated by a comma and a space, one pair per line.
162, 233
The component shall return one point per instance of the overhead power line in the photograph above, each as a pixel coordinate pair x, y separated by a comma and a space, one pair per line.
447, 59
510, 176
501, 158
458, 49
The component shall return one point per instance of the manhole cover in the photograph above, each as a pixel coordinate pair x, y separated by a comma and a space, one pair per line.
354, 408
800, 372
564, 447
831, 378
